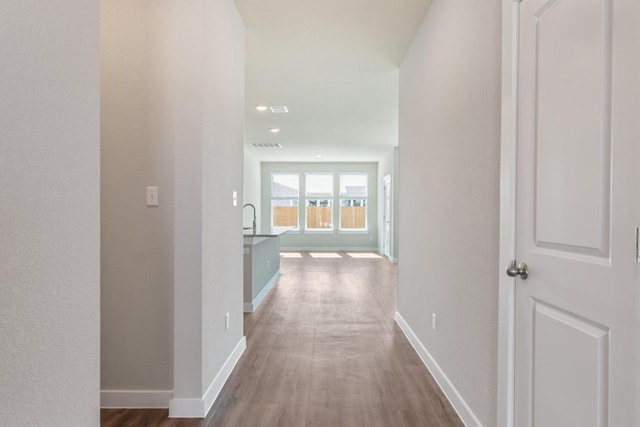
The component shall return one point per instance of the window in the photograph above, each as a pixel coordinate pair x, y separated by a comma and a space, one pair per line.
285, 193
319, 201
329, 201
353, 202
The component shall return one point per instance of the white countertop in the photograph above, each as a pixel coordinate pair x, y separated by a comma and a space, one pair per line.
251, 238
271, 232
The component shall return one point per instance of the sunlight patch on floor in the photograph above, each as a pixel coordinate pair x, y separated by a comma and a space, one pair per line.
325, 255
370, 255
290, 254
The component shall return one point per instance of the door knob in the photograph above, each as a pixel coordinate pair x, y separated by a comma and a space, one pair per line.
521, 270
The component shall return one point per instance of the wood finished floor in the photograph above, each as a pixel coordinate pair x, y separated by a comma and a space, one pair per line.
322, 350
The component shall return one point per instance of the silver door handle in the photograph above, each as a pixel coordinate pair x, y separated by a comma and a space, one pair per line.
521, 270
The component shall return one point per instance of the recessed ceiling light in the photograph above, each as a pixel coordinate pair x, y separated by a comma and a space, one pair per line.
262, 108
319, 157
274, 130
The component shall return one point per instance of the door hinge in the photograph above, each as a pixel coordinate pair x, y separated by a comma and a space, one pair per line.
637, 245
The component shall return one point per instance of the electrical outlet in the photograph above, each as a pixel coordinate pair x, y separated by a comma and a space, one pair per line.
226, 321
434, 321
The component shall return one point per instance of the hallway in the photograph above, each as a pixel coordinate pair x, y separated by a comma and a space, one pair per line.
322, 350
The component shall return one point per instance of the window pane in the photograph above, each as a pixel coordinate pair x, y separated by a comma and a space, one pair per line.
319, 214
353, 185
353, 202
353, 214
285, 186
319, 185
284, 213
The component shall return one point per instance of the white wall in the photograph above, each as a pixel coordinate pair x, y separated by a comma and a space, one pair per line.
222, 148
209, 129
137, 241
449, 194
49, 214
252, 190
331, 240
173, 108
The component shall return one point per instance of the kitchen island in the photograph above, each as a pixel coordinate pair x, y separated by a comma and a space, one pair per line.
261, 264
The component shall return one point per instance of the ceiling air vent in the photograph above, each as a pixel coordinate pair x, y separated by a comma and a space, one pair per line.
266, 145
279, 109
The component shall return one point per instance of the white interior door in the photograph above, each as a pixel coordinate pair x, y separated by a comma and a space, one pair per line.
576, 332
386, 242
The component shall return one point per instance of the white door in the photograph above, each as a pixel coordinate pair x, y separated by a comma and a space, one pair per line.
577, 314
386, 242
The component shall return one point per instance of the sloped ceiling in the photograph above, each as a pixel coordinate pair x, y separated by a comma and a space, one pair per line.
334, 64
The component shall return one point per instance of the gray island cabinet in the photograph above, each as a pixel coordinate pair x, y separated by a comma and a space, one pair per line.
261, 265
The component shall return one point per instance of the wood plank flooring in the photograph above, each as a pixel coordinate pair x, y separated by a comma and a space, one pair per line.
322, 350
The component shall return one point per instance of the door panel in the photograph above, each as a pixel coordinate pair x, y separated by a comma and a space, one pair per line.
571, 61
577, 315
568, 350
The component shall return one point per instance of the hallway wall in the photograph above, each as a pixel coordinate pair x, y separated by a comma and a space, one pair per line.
222, 56
49, 213
173, 117
449, 195
137, 241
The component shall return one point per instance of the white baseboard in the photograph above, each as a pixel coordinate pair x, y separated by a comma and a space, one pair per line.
218, 382
253, 306
391, 259
199, 408
464, 411
135, 399
328, 249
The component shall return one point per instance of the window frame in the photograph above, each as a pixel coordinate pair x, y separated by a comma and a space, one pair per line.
331, 198
292, 198
364, 198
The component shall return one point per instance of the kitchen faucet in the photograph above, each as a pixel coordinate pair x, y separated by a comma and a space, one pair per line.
254, 217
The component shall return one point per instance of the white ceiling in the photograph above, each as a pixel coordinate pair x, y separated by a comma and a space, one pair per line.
334, 64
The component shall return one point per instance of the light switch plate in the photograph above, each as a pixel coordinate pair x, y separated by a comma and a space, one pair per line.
152, 196
235, 199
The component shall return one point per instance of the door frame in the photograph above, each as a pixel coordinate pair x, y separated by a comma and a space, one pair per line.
387, 180
508, 174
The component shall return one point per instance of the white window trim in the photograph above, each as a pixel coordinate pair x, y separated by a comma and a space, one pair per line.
364, 230
331, 198
293, 230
